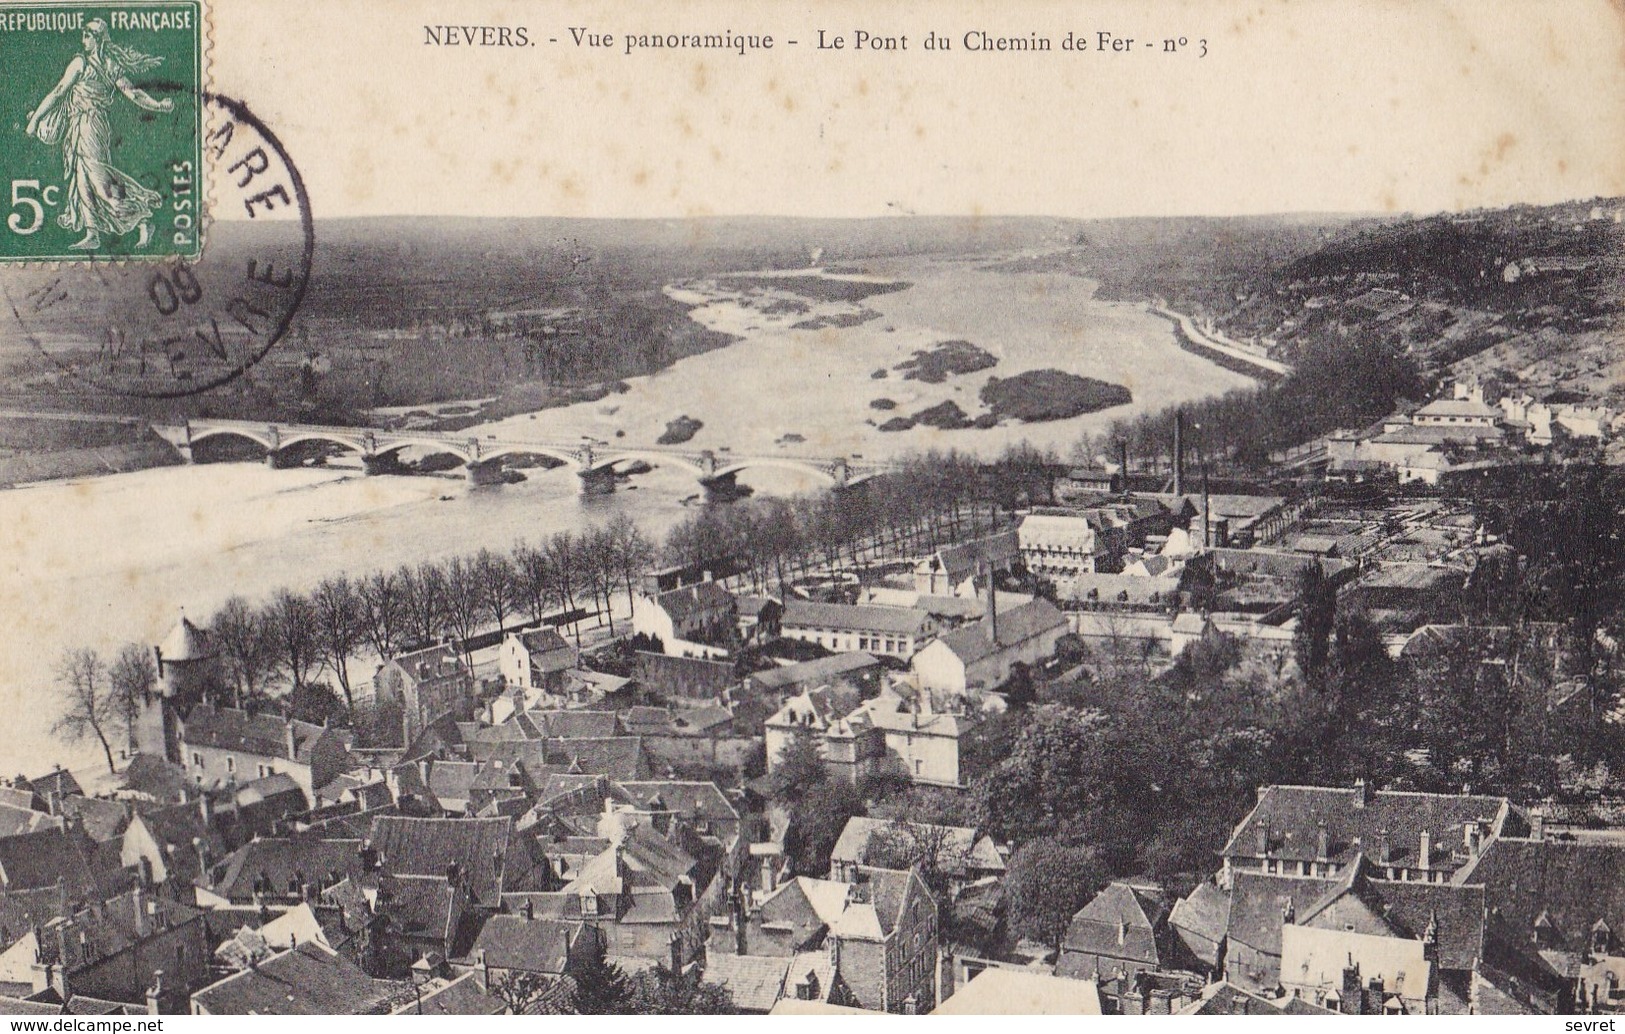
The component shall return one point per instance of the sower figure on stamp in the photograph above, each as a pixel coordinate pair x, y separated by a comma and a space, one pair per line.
98, 198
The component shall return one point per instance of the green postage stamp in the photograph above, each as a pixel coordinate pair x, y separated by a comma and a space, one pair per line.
101, 129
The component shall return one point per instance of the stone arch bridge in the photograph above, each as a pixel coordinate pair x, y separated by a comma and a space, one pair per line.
482, 456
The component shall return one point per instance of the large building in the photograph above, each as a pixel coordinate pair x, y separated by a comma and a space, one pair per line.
980, 656
881, 631
427, 684
222, 746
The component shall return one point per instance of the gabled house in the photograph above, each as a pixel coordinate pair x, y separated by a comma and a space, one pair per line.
173, 845
222, 746
428, 684
963, 855
551, 950
279, 871
981, 656
1122, 932
536, 659
476, 850
965, 568
698, 615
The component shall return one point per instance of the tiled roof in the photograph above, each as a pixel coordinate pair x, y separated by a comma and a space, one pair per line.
460, 996
263, 735
960, 849
283, 861
755, 981
701, 800
432, 663
179, 830
1122, 921
104, 929
103, 819
428, 847
1258, 903
1199, 920
419, 906
960, 561
531, 945
306, 981
854, 617
59, 784
30, 861
573, 724
1570, 885
814, 672
684, 603
974, 642
1292, 816
16, 821
543, 640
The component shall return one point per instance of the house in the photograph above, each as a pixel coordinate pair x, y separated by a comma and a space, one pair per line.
754, 982
648, 894
418, 917
279, 871
1557, 917
1122, 932
536, 659
683, 678
427, 684
53, 788
1370, 946
1199, 920
221, 746
173, 845
475, 849
119, 948
1082, 483
307, 980
902, 730
965, 569
997, 991
1260, 904
252, 945
1457, 413
52, 856
758, 618
698, 615
1222, 998
884, 945
981, 656
454, 996
869, 942
961, 855
842, 627
1318, 831
548, 950
1057, 545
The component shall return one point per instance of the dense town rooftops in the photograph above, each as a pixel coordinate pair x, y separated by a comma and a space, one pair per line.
104, 929
997, 991
530, 945
1550, 895
281, 866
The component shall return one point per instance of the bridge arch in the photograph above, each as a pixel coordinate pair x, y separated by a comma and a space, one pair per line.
262, 440
433, 445
565, 456
353, 444
609, 458
801, 466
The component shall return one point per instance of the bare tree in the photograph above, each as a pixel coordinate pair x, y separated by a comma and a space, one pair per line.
598, 569
291, 622
633, 552
132, 678
463, 602
382, 616
562, 555
423, 600
244, 644
534, 581
88, 708
340, 629
497, 584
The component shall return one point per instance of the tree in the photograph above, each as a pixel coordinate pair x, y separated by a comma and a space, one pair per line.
1317, 616
633, 552
88, 707
496, 585
316, 703
521, 990
378, 597
340, 629
291, 623
917, 845
799, 767
563, 559
423, 600
132, 678
245, 646
464, 603
660, 992
1048, 880
816, 822
601, 987
533, 580
1060, 777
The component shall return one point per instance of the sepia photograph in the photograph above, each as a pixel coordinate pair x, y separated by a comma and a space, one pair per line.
579, 508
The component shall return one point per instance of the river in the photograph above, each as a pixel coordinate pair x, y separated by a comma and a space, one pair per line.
103, 561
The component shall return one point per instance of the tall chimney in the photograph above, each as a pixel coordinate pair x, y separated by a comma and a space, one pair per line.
1537, 823
1424, 853
1207, 512
740, 919
1179, 452
1122, 452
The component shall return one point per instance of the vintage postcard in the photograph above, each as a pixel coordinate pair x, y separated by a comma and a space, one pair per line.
576, 507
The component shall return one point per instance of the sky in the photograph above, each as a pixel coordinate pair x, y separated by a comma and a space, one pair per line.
1309, 106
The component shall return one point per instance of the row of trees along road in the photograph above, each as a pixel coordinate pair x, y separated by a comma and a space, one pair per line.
293, 640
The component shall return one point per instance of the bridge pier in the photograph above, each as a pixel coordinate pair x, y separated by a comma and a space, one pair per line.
280, 459
597, 480
382, 463
184, 450
487, 473
725, 488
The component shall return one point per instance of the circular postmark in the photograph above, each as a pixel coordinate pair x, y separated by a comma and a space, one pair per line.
164, 328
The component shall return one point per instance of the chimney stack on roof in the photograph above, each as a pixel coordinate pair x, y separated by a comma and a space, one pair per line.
1537, 823
1322, 841
1362, 793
